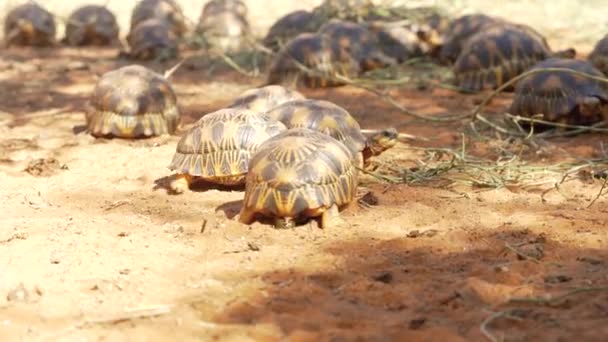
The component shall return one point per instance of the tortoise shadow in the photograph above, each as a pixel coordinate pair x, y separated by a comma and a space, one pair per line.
198, 185
230, 209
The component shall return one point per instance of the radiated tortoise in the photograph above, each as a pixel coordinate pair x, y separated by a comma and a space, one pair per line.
166, 10
132, 102
91, 25
298, 174
263, 99
152, 39
29, 24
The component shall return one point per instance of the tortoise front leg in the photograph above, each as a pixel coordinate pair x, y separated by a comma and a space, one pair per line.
247, 216
331, 217
180, 182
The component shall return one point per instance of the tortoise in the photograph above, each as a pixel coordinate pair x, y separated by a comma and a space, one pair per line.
599, 55
29, 24
354, 43
152, 39
226, 30
308, 60
289, 26
167, 10
265, 98
459, 31
132, 102
297, 174
499, 53
91, 25
215, 7
560, 96
218, 148
335, 121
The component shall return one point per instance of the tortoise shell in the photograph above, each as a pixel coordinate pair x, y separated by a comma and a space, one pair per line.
215, 7
289, 26
132, 102
313, 52
355, 10
219, 147
152, 39
561, 96
29, 24
599, 55
322, 116
91, 25
399, 42
354, 43
265, 98
225, 30
166, 10
297, 174
459, 31
494, 56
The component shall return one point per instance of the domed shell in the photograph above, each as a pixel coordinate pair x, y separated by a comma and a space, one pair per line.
557, 95
460, 30
215, 7
496, 55
289, 26
152, 39
314, 52
29, 24
219, 147
168, 11
263, 99
354, 43
324, 117
299, 173
225, 30
132, 102
91, 25
599, 55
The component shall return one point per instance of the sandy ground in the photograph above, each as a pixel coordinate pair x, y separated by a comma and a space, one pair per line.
92, 247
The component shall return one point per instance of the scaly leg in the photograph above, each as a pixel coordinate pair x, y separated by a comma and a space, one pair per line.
331, 217
180, 182
247, 216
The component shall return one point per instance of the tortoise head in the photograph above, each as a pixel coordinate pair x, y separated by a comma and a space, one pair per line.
566, 53
592, 109
379, 141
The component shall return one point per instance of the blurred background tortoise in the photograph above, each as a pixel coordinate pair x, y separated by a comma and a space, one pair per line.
599, 55
166, 10
354, 44
298, 174
265, 98
29, 24
91, 25
132, 102
499, 53
152, 39
223, 25
307, 60
561, 96
335, 121
218, 148
290, 26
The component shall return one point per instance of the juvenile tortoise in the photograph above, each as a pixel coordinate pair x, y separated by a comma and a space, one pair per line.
460, 30
354, 43
335, 121
599, 55
291, 25
307, 60
132, 102
499, 53
224, 25
265, 98
297, 174
91, 25
29, 24
166, 10
218, 148
561, 96
152, 39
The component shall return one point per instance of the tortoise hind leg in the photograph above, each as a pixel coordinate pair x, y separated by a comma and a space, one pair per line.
331, 217
180, 182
